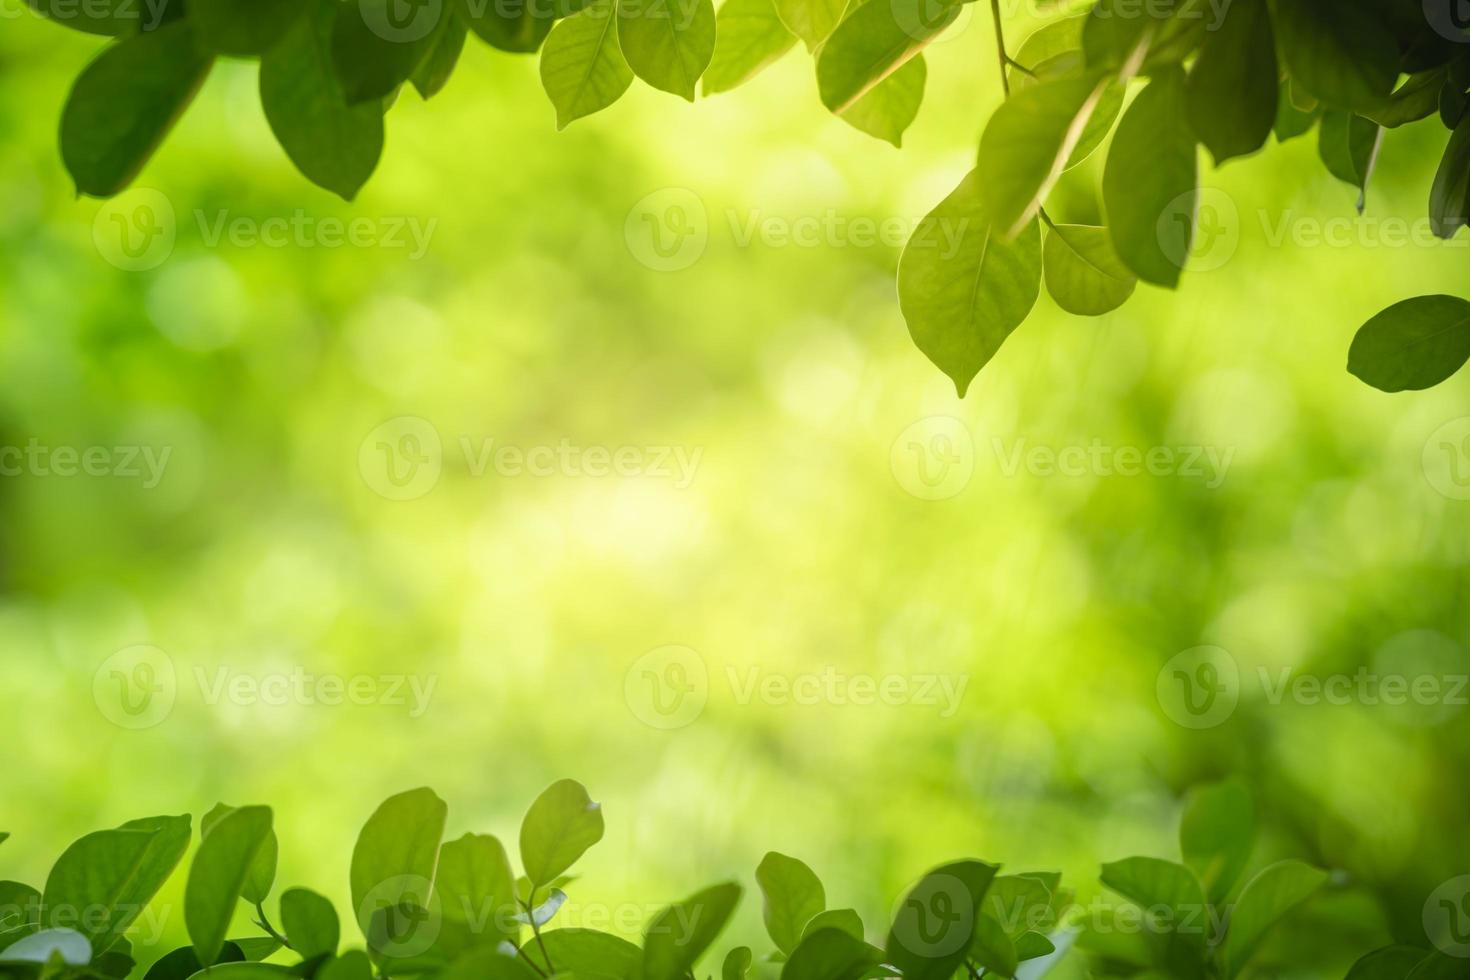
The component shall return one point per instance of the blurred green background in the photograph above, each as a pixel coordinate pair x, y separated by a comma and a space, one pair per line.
841, 513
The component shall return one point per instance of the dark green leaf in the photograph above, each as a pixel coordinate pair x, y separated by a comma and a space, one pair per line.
489, 963
229, 846
1216, 835
1291, 120
101, 883
668, 43
1027, 143
516, 26
1348, 145
1417, 98
1449, 197
475, 884
993, 949
19, 904
872, 42
679, 935
310, 923
336, 146
558, 828
434, 72
961, 289
582, 67
182, 963
1116, 32
1339, 52
125, 102
748, 37
351, 965
243, 27
262, 873
845, 919
584, 952
1412, 345
1083, 272
1232, 87
1149, 182
110, 17
393, 860
1170, 897
793, 895
1388, 963
1265, 899
737, 964
375, 50
937, 919
830, 954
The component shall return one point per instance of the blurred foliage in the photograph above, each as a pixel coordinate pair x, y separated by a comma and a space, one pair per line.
797, 548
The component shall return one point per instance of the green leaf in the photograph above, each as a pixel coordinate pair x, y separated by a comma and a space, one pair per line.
1266, 898
582, 67
811, 20
1165, 31
101, 883
1449, 197
558, 828
20, 904
1033, 946
793, 895
1417, 98
262, 873
1348, 145
845, 919
255, 948
125, 102
489, 963
890, 107
229, 846
476, 886
242, 27
1149, 182
1439, 965
310, 922
182, 963
1027, 143
1388, 963
1054, 52
334, 145
48, 946
937, 919
585, 952
1232, 89
872, 42
1291, 120
1412, 345
374, 50
993, 948
516, 26
679, 935
830, 954
1083, 272
351, 965
1018, 904
748, 37
434, 72
961, 289
1339, 52
668, 43
1154, 884
737, 964
250, 970
393, 860
1216, 835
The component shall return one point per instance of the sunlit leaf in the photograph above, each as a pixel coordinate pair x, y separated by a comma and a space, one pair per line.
792, 896
748, 37
1083, 272
558, 828
1414, 344
582, 67
668, 43
1265, 899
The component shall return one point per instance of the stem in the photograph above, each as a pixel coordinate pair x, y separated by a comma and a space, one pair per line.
265, 923
536, 931
529, 962
974, 973
1000, 47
